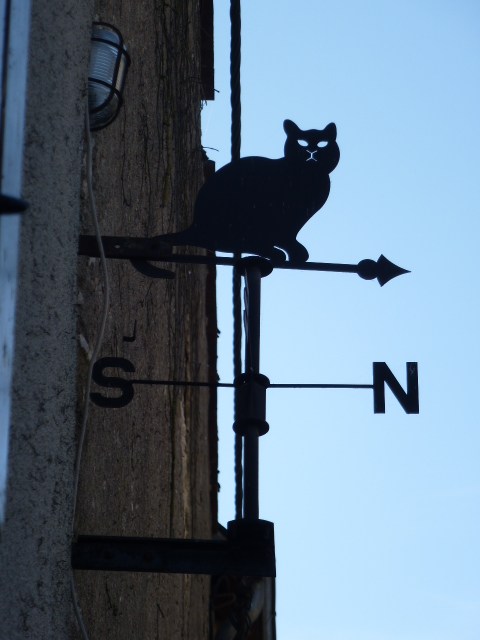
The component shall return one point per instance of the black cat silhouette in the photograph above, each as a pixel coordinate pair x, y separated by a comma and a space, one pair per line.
258, 205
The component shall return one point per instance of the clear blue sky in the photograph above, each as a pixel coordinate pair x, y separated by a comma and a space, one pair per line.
376, 516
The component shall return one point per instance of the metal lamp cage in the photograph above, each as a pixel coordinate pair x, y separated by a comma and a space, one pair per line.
109, 62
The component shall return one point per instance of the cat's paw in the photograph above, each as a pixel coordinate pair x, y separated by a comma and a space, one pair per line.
277, 256
298, 253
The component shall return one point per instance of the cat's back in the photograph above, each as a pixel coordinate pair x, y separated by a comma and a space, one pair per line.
252, 173
252, 186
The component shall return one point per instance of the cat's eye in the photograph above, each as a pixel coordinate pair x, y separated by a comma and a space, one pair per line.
322, 143
303, 143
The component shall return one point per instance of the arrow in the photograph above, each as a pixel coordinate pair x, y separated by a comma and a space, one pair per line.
382, 269
386, 270
142, 249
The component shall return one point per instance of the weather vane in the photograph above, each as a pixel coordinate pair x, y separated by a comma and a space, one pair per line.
253, 206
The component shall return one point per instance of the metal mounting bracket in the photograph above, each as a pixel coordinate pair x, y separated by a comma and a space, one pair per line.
248, 550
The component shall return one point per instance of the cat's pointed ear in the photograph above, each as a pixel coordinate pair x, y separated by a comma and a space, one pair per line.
330, 132
291, 128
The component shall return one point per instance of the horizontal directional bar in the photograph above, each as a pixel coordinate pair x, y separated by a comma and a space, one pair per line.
158, 555
270, 386
179, 383
320, 386
319, 266
382, 376
121, 248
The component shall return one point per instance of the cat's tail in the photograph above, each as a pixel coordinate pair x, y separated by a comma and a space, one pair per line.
163, 245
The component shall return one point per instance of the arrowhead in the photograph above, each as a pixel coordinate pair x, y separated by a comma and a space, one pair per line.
386, 270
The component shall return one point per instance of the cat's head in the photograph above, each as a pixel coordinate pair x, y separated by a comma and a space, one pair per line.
312, 146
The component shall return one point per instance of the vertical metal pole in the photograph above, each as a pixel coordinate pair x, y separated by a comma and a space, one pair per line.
237, 370
250, 467
235, 58
253, 279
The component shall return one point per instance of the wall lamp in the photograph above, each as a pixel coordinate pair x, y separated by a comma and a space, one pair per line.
109, 62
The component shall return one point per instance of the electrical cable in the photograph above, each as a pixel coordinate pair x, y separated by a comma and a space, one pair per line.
101, 332
76, 609
106, 304
235, 60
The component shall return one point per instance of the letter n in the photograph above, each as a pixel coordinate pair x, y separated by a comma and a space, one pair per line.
383, 376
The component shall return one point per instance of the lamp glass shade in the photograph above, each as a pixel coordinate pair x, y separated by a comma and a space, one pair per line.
109, 62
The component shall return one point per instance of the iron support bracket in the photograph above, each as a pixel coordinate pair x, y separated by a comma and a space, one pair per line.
249, 550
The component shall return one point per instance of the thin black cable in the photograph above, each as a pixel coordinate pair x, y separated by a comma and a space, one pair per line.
235, 46
235, 57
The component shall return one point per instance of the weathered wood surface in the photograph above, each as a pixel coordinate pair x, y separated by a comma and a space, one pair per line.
145, 468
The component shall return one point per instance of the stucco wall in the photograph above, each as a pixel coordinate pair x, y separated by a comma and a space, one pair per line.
35, 545
146, 469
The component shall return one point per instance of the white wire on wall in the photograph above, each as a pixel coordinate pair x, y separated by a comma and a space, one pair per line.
88, 384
